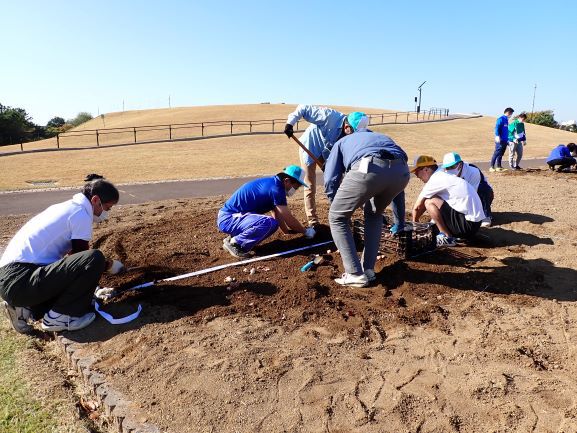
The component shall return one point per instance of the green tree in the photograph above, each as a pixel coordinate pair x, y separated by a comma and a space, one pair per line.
55, 126
80, 119
15, 125
543, 118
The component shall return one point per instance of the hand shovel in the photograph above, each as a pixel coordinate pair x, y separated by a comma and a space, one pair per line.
318, 260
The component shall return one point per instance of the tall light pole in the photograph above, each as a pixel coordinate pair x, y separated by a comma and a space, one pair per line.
533, 106
419, 89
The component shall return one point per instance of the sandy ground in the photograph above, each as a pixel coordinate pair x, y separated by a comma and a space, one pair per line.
480, 338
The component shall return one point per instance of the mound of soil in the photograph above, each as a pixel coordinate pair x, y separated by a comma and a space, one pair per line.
472, 339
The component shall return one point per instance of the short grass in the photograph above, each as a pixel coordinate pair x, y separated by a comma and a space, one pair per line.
243, 155
20, 412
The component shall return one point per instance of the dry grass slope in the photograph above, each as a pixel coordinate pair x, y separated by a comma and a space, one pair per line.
238, 155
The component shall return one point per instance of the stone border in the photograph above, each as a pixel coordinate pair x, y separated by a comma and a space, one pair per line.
122, 417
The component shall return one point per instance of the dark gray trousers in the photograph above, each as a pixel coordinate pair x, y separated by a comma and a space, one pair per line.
66, 286
375, 190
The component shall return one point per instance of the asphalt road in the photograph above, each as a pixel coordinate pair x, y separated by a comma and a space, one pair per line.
16, 203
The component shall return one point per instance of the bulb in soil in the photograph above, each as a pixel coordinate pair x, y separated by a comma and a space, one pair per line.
252, 271
229, 279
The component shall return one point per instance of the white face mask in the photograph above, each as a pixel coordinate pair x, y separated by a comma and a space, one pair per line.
454, 171
291, 192
101, 217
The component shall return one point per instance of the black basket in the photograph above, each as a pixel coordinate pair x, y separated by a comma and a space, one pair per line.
416, 239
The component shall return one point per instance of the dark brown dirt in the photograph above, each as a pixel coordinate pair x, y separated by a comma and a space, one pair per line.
472, 339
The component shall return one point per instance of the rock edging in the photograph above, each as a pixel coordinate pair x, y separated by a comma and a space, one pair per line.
120, 412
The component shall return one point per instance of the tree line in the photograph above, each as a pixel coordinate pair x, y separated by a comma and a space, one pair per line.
16, 125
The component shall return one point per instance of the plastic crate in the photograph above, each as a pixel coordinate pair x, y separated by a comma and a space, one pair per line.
416, 239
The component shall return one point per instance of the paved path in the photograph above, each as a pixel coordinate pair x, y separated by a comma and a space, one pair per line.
15, 203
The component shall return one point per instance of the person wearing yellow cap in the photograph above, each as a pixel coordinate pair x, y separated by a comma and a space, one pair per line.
243, 216
327, 126
450, 201
369, 170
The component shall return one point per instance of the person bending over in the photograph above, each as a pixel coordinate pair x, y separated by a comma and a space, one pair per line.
48, 268
370, 170
563, 156
451, 202
243, 215
327, 126
453, 164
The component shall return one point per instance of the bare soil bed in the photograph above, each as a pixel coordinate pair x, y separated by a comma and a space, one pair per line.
479, 338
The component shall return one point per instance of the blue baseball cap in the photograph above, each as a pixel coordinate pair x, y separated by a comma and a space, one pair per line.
450, 159
296, 173
358, 120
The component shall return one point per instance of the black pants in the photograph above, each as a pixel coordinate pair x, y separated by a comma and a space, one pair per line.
563, 163
456, 222
66, 286
486, 195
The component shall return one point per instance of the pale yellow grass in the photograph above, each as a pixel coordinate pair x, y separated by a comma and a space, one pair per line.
246, 155
159, 120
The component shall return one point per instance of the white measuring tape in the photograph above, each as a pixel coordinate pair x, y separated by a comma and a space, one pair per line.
113, 293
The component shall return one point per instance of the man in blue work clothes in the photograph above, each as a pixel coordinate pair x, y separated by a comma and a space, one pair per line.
242, 216
501, 140
327, 127
562, 156
364, 168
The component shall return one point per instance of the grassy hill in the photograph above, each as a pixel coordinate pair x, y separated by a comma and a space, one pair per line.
239, 155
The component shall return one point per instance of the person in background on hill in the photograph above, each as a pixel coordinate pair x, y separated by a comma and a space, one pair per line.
517, 140
453, 164
327, 127
363, 169
501, 140
563, 156
451, 201
242, 216
48, 268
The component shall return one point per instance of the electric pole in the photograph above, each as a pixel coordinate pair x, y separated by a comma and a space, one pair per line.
533, 106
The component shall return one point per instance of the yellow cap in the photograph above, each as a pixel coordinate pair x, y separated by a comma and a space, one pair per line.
423, 161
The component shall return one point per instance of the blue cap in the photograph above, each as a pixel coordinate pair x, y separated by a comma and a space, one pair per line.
296, 173
450, 159
358, 120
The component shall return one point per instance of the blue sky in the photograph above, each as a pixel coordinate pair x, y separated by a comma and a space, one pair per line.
59, 58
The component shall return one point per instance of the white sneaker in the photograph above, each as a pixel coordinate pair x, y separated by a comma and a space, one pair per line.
353, 280
371, 276
445, 241
486, 222
53, 321
18, 317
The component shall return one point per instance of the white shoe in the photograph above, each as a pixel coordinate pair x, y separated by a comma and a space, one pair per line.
486, 222
53, 321
19, 317
371, 276
353, 280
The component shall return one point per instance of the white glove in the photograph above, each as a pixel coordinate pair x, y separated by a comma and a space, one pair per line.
497, 139
116, 267
310, 233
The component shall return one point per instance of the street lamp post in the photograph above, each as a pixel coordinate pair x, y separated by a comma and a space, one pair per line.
419, 89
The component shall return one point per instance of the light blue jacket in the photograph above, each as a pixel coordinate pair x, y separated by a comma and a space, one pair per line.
325, 129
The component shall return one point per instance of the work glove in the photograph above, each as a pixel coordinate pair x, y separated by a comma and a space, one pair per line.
497, 139
309, 233
116, 267
396, 229
288, 130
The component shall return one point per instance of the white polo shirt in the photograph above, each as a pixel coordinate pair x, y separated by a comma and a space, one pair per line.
457, 192
46, 238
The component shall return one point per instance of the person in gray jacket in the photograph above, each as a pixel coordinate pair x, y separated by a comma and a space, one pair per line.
327, 126
364, 169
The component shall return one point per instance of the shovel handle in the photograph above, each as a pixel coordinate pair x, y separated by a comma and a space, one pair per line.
313, 157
